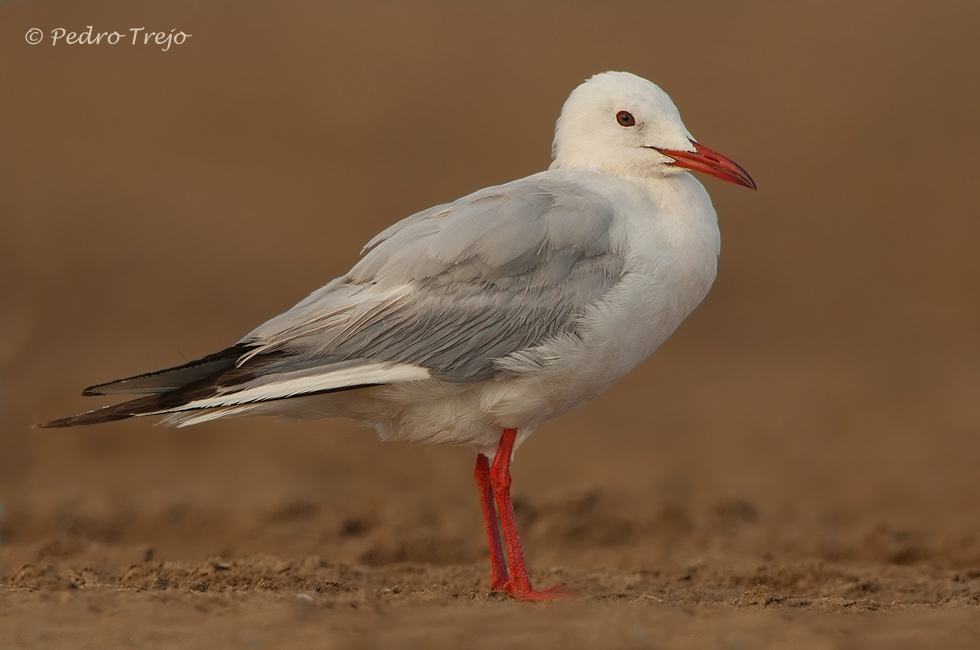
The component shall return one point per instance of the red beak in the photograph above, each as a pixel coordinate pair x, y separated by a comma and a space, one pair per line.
707, 161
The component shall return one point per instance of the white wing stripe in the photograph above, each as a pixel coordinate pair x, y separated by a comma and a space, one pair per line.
375, 373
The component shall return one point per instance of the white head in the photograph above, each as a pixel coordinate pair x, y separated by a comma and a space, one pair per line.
619, 123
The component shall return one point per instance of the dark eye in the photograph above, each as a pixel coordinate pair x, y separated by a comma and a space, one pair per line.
625, 118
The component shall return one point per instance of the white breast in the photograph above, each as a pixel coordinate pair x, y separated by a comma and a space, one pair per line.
670, 231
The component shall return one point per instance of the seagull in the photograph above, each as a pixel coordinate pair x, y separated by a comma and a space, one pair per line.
475, 321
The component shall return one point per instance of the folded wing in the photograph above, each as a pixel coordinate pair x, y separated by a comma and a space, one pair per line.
444, 294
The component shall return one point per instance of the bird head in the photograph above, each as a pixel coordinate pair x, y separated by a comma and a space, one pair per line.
623, 124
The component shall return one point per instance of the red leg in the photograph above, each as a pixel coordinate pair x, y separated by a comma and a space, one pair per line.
498, 565
519, 585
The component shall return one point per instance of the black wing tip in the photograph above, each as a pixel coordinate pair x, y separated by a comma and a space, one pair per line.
94, 417
229, 354
132, 408
55, 424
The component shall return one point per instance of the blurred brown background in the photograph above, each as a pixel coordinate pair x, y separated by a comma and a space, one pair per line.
156, 206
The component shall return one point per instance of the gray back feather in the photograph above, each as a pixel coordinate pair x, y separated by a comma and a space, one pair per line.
457, 287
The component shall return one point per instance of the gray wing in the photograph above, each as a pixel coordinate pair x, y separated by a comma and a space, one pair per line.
458, 287
451, 292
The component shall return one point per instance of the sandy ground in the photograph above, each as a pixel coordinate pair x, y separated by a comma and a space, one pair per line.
796, 467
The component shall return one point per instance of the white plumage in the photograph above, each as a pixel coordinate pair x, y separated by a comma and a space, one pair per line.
492, 313
497, 311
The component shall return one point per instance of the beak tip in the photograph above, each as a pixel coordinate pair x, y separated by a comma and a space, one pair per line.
707, 161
